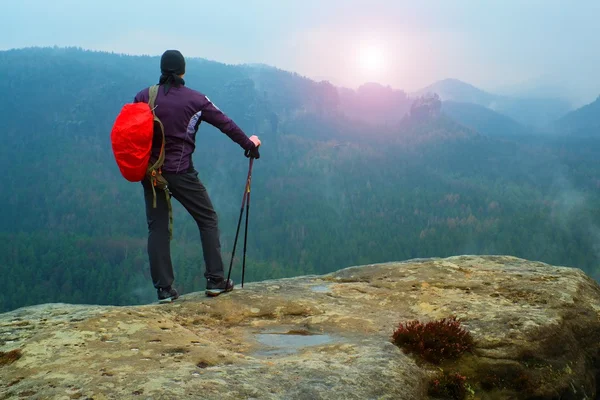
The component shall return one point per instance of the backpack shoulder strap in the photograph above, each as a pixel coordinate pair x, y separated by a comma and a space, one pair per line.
153, 92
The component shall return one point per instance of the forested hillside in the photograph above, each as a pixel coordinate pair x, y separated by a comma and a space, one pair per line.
332, 188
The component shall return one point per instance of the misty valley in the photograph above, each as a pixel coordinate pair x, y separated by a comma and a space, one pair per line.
346, 177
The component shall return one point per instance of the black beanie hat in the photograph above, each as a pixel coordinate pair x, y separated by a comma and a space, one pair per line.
172, 62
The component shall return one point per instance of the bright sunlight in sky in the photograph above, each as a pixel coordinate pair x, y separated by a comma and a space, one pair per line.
372, 59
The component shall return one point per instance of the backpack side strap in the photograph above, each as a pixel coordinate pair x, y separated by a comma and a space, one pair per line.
154, 172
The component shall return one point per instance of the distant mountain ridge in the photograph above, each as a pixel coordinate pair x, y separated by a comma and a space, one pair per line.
483, 120
532, 112
583, 121
456, 90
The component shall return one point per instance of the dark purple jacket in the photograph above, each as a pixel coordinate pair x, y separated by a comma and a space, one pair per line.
181, 111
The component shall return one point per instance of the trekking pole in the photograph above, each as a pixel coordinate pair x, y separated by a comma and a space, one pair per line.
246, 227
244, 198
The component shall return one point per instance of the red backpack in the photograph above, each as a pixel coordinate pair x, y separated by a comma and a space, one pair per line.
131, 138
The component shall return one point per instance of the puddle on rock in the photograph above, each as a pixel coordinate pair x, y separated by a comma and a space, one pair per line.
321, 289
281, 344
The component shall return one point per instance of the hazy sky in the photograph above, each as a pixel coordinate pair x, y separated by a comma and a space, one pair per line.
497, 45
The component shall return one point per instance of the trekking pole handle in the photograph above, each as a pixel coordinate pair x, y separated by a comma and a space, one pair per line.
253, 153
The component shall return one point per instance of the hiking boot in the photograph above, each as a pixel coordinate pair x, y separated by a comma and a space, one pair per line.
216, 287
167, 295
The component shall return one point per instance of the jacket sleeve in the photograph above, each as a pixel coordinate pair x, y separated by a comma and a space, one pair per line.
218, 119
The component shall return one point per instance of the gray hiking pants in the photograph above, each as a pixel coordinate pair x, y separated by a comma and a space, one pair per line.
191, 193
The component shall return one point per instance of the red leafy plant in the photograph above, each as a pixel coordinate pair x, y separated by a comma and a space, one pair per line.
434, 341
448, 386
10, 357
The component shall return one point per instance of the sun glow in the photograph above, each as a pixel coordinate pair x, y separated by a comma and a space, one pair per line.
372, 59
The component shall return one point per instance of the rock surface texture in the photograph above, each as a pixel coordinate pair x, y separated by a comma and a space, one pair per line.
536, 329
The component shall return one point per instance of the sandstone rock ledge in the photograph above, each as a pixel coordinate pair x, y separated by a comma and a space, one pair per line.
536, 328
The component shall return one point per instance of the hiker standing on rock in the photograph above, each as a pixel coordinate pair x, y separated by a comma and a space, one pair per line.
181, 110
